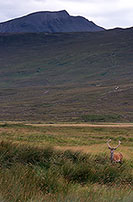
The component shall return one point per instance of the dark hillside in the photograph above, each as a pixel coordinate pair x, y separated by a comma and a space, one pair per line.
51, 22
62, 76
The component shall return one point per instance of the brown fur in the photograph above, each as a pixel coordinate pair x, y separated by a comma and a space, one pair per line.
118, 157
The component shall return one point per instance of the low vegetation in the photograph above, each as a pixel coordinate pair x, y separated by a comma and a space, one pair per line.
53, 172
63, 76
29, 173
101, 118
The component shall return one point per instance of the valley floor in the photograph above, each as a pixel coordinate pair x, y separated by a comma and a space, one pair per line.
116, 125
64, 162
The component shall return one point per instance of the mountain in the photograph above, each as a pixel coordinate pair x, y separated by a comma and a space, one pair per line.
64, 76
50, 22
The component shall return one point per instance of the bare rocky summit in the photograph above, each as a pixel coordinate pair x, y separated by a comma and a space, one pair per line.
51, 22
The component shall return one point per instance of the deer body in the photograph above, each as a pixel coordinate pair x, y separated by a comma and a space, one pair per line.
115, 157
118, 157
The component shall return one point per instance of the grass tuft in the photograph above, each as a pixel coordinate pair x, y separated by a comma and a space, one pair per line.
29, 172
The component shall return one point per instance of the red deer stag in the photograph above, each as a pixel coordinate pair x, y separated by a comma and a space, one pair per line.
115, 157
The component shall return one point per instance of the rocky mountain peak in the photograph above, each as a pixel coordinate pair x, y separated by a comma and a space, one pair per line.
49, 21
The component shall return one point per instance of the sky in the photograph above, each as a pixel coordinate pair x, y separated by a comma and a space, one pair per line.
105, 13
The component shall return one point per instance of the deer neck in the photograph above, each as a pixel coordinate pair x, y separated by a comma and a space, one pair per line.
111, 155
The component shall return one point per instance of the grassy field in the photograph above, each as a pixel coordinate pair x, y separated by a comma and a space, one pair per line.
64, 163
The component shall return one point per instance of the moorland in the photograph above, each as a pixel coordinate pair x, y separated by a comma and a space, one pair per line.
67, 77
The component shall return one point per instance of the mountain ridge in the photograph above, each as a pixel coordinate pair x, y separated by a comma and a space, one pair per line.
49, 21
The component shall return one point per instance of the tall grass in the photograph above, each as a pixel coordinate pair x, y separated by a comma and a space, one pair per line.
34, 174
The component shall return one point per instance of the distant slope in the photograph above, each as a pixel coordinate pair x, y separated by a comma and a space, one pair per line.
50, 22
63, 76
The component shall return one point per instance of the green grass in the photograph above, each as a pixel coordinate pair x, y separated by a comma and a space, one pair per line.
34, 174
60, 164
66, 135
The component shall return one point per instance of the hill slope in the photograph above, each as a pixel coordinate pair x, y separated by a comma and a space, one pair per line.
50, 22
62, 76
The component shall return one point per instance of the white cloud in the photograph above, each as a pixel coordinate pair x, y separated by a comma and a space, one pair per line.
106, 13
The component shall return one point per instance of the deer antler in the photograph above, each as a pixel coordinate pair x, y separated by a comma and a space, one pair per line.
108, 144
118, 145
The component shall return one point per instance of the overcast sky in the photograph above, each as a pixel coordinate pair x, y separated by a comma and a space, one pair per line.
106, 13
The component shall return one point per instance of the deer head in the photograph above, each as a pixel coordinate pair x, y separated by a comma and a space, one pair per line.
114, 157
